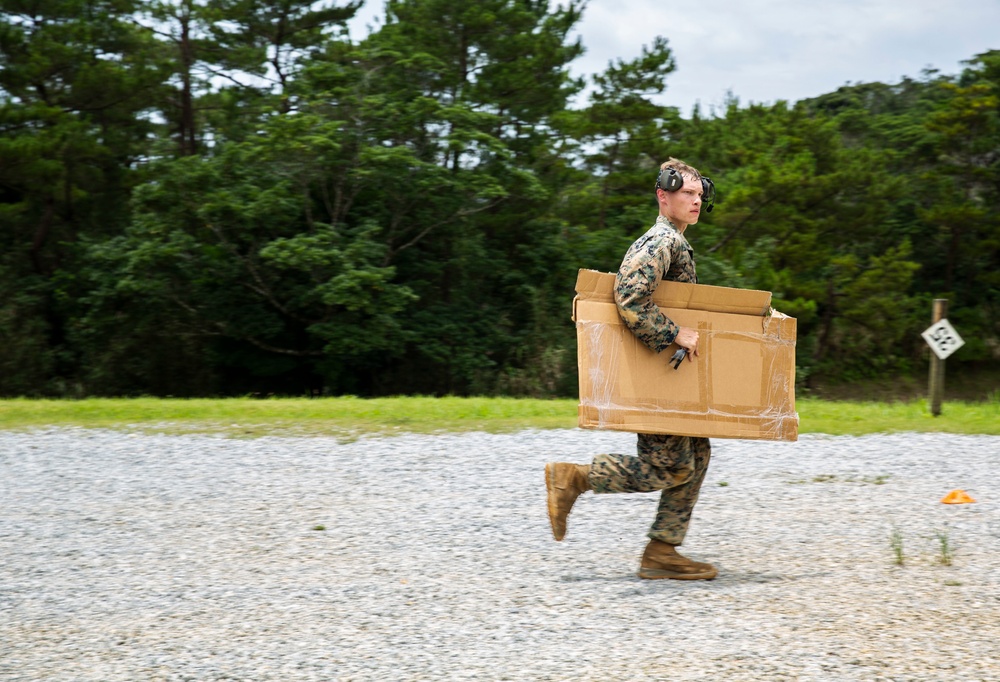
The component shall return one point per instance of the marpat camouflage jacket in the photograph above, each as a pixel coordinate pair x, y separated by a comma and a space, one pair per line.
662, 254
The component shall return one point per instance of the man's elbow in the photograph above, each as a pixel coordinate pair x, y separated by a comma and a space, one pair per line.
629, 316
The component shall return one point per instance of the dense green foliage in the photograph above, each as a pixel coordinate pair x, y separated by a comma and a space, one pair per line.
219, 197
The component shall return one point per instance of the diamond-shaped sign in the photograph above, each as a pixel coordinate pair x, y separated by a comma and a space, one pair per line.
943, 339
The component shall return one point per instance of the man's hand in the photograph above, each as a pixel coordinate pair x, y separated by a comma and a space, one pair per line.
687, 338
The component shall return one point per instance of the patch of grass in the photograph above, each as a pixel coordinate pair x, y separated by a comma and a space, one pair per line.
945, 555
833, 478
351, 417
896, 543
881, 479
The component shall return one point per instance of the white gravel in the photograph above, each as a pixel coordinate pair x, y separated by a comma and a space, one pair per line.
134, 557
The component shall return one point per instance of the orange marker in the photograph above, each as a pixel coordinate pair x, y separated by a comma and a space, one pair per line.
957, 497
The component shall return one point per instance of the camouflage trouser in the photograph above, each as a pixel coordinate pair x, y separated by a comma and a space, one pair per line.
674, 464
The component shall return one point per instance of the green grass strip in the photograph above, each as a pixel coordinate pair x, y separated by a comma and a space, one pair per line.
859, 418
345, 417
350, 417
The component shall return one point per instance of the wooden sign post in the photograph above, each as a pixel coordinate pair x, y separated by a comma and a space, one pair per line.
943, 340
935, 388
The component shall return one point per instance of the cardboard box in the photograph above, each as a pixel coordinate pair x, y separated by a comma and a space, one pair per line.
741, 385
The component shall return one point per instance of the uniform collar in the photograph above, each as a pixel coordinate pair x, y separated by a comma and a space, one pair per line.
665, 221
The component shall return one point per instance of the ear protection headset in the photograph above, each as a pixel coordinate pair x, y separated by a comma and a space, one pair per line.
670, 180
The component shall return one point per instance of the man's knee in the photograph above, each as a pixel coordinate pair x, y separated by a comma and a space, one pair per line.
683, 474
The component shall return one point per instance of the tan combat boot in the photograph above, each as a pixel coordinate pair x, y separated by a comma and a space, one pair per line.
661, 560
564, 483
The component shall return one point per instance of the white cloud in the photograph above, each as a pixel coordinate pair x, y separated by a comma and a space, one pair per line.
766, 50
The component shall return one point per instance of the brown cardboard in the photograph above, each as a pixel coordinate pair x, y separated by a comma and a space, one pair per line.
741, 385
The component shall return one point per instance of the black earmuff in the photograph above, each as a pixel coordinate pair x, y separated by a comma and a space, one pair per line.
707, 194
670, 180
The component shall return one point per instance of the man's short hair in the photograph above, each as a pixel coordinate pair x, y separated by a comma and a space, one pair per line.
681, 167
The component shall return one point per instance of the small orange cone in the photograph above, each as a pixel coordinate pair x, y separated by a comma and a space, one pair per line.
957, 497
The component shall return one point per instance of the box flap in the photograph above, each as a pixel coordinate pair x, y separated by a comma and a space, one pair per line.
599, 286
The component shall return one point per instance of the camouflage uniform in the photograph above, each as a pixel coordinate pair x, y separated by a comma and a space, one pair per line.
675, 465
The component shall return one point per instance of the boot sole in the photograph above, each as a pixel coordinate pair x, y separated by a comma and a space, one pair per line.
553, 508
660, 574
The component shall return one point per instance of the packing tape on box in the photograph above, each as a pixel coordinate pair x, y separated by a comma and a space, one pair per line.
741, 385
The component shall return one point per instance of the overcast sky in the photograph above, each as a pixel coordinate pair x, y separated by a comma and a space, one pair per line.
766, 50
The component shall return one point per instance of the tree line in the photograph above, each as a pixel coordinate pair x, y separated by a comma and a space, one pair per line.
221, 197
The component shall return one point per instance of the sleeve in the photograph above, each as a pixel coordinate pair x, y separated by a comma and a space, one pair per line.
641, 271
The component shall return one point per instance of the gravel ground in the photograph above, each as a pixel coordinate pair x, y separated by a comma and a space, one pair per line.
137, 557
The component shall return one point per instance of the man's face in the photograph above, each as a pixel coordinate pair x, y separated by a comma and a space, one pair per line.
683, 207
